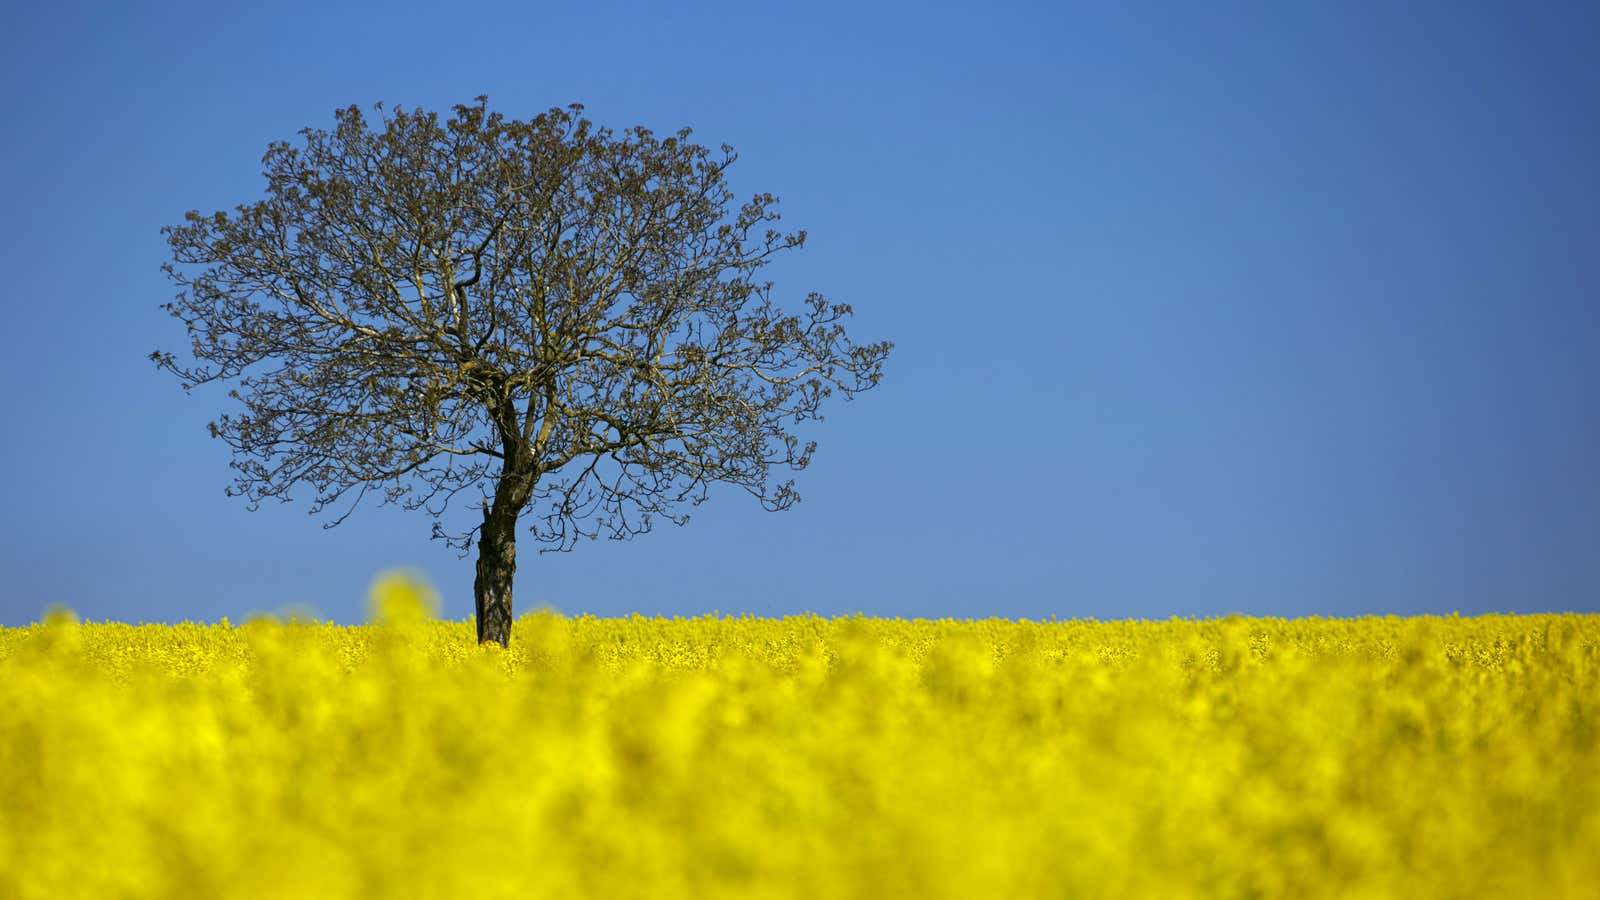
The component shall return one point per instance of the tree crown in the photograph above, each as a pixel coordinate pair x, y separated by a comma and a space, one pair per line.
567, 318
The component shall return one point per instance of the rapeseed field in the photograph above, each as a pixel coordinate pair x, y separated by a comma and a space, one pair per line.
801, 757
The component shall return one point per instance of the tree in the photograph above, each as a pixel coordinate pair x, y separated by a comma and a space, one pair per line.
562, 323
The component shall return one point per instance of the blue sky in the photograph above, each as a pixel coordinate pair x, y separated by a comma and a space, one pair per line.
1280, 309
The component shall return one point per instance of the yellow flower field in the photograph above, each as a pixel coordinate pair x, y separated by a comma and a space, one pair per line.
802, 757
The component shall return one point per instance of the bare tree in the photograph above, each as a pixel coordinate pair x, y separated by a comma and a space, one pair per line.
561, 323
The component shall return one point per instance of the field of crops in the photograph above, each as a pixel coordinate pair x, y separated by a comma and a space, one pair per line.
802, 757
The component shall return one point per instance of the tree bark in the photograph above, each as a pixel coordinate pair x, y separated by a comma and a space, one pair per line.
497, 567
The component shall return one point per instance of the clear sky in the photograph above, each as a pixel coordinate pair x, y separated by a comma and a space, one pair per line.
1279, 309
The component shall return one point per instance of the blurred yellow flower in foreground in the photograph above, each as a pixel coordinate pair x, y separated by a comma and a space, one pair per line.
402, 597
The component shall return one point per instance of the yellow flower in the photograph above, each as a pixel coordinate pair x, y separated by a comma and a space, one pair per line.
402, 597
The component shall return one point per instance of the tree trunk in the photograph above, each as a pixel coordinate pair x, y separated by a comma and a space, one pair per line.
497, 567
